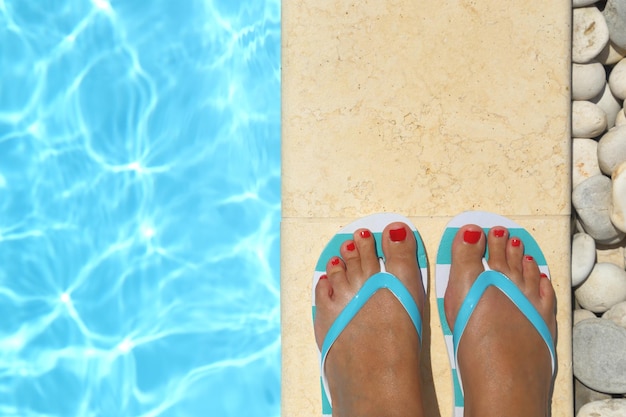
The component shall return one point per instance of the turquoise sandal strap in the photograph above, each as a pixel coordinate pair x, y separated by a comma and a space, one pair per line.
374, 283
503, 283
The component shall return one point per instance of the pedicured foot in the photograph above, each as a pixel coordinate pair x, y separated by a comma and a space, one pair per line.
505, 365
373, 368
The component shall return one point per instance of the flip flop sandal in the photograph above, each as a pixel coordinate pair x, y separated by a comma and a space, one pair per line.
376, 224
485, 279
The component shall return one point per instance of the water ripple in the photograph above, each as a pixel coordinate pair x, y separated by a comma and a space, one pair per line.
139, 193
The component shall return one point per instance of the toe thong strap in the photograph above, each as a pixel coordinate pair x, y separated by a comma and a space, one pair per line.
503, 283
371, 286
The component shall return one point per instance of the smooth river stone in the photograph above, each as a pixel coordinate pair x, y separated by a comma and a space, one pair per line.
615, 18
584, 395
583, 257
588, 119
612, 149
584, 160
599, 357
607, 102
605, 287
617, 314
617, 80
588, 80
582, 314
611, 54
590, 34
613, 254
583, 3
618, 197
592, 199
614, 407
620, 119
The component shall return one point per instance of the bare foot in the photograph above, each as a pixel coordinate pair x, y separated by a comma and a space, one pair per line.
505, 365
373, 368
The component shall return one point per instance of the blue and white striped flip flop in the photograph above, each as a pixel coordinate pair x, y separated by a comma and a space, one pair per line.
376, 224
485, 279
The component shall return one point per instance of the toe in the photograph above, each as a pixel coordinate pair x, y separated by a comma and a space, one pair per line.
547, 294
366, 246
496, 242
399, 247
515, 258
323, 291
352, 260
468, 249
323, 302
531, 274
547, 308
337, 276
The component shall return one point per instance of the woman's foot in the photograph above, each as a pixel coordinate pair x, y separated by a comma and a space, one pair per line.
504, 363
373, 368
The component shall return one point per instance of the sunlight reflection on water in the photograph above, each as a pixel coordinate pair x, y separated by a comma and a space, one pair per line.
139, 208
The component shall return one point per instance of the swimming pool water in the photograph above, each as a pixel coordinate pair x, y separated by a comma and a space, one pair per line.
139, 208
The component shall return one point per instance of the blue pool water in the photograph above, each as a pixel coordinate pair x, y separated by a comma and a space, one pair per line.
139, 208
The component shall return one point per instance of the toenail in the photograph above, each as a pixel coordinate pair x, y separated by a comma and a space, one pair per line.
324, 277
365, 234
397, 235
335, 261
498, 233
543, 275
471, 236
515, 242
350, 246
529, 258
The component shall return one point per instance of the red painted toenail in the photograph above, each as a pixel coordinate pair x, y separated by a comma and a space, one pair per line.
529, 258
471, 236
498, 233
350, 246
515, 242
324, 276
335, 261
397, 235
543, 275
365, 234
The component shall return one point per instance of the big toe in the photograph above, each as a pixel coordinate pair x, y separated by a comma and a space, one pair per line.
400, 249
468, 250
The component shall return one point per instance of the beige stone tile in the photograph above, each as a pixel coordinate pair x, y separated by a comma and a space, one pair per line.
302, 240
425, 108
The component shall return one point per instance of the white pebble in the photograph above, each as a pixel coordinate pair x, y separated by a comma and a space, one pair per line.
617, 314
617, 80
578, 226
588, 80
618, 197
614, 13
620, 119
609, 104
583, 3
583, 257
583, 394
605, 287
611, 54
613, 254
590, 34
615, 407
588, 120
584, 160
582, 314
612, 149
591, 200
